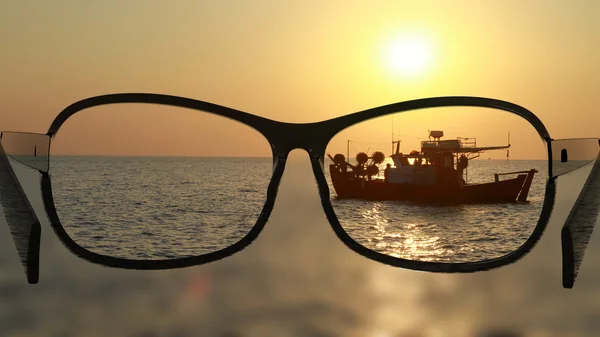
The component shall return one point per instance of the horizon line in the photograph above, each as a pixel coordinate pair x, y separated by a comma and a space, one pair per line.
217, 156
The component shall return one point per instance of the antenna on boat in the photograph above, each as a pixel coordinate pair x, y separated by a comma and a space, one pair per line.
392, 133
348, 151
507, 150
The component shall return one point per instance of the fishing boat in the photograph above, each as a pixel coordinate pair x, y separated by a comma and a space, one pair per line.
436, 173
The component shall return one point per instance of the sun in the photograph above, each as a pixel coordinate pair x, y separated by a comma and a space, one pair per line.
408, 56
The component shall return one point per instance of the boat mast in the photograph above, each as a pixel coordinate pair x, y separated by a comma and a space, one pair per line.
392, 134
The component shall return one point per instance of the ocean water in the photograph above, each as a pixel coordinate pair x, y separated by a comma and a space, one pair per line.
158, 208
298, 279
161, 208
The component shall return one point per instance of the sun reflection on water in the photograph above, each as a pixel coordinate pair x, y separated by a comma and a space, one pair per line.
404, 240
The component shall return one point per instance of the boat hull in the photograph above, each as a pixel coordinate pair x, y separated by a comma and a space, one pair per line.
509, 190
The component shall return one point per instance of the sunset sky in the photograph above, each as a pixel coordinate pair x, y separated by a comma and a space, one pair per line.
293, 61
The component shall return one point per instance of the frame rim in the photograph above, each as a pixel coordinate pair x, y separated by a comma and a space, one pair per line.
284, 137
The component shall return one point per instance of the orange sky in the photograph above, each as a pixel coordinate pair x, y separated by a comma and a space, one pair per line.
296, 62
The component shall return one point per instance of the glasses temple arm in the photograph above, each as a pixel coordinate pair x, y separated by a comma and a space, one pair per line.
23, 224
578, 228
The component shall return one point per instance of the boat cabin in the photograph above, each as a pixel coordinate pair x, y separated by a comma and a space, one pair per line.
434, 163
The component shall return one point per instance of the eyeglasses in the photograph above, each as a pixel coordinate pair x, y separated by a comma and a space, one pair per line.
151, 181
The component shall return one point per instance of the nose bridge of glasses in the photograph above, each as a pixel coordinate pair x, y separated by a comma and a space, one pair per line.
312, 137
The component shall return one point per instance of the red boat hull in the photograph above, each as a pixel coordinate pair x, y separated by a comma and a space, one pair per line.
509, 190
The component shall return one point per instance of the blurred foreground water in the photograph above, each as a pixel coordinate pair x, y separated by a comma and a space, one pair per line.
298, 279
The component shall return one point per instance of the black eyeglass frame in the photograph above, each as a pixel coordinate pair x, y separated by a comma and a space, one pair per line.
283, 138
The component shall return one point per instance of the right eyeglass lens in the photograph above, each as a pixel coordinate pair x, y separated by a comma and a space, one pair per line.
157, 182
446, 189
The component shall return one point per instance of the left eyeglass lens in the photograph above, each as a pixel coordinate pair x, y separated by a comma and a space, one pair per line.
157, 182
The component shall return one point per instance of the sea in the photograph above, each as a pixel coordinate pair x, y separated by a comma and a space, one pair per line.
162, 208
297, 278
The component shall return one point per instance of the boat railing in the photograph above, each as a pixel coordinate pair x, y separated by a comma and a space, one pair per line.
467, 142
497, 175
440, 144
